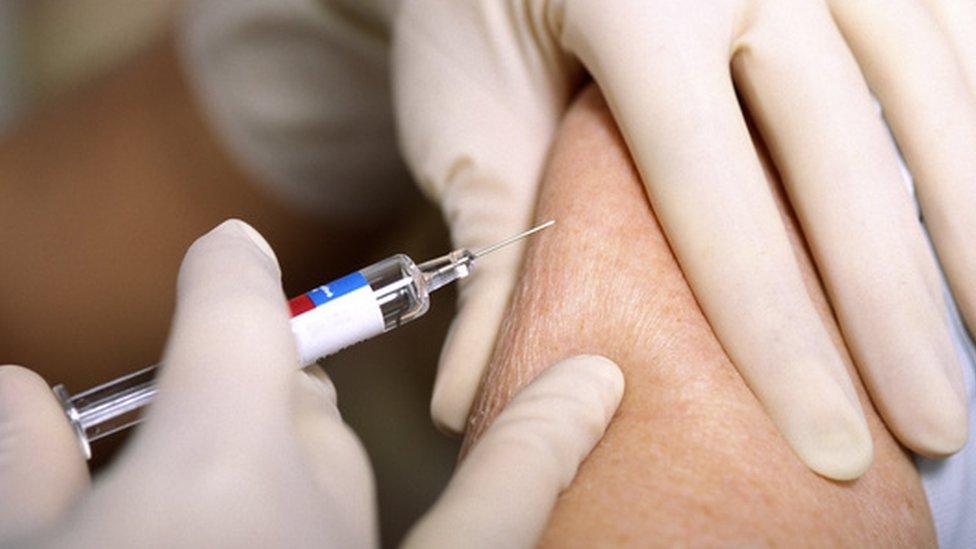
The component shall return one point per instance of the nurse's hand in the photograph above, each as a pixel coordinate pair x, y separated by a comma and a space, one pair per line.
481, 86
242, 449
503, 492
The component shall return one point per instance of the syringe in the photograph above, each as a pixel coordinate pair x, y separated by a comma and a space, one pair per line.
356, 307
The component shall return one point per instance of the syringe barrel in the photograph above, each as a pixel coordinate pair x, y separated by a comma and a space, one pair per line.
400, 290
326, 319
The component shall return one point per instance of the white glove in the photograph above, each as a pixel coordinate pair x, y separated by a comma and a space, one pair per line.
298, 92
480, 88
241, 448
503, 492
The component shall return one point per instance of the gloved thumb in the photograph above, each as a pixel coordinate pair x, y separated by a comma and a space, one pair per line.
338, 460
42, 469
503, 493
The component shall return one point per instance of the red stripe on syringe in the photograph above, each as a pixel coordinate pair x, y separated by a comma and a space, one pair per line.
300, 304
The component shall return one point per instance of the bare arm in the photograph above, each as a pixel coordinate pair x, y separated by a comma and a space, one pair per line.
691, 456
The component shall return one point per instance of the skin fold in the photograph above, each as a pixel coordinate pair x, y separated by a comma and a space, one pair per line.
691, 456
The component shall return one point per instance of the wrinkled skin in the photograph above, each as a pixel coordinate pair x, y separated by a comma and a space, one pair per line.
691, 457
482, 86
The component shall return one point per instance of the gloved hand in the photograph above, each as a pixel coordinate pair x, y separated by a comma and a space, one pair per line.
242, 449
480, 88
503, 492
298, 93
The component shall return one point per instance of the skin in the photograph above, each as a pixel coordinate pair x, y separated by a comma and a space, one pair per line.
481, 87
691, 457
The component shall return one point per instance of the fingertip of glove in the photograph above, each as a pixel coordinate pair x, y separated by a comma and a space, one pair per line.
448, 416
454, 389
937, 430
464, 358
844, 464
604, 369
11, 373
233, 258
19, 386
232, 226
842, 452
600, 374
483, 300
231, 247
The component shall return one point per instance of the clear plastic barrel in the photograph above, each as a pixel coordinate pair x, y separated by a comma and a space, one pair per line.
400, 290
108, 408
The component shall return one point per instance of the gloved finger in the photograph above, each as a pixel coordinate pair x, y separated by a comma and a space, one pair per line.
482, 301
338, 462
477, 108
932, 112
843, 177
299, 92
504, 491
42, 469
695, 154
956, 19
229, 364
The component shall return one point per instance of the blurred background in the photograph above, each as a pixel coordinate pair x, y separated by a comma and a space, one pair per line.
53, 51
48, 47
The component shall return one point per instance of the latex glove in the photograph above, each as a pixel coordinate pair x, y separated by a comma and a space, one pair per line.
503, 492
480, 88
241, 448
298, 92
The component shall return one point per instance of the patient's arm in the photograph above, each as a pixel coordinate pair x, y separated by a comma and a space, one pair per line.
690, 456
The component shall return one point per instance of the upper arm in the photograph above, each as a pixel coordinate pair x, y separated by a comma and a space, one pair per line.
691, 456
